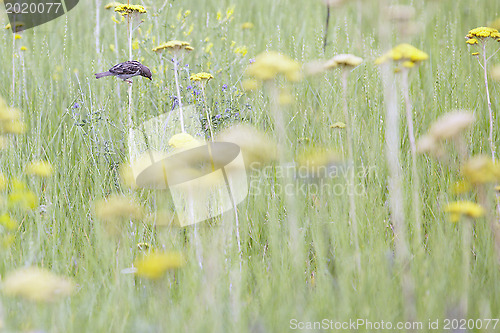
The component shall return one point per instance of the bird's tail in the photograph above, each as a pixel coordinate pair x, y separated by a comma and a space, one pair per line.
103, 74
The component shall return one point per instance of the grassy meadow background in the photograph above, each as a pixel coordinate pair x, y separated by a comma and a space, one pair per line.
79, 124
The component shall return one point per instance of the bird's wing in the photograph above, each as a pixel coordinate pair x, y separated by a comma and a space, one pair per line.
129, 67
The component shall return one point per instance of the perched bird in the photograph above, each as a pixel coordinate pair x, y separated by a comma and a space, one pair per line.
126, 70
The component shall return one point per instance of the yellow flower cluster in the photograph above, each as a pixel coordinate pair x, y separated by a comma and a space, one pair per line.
118, 207
467, 208
112, 5
10, 120
37, 284
182, 140
269, 65
155, 265
343, 60
174, 45
483, 32
125, 9
201, 77
39, 168
247, 25
481, 170
407, 54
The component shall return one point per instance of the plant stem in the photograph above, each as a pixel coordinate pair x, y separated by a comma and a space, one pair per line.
351, 180
488, 100
176, 75
414, 171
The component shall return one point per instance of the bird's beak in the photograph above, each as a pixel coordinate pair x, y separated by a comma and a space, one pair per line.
150, 79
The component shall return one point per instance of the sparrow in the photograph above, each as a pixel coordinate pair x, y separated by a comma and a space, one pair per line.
126, 70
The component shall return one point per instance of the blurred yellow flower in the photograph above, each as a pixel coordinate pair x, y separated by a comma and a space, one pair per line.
7, 222
427, 144
37, 284
495, 73
118, 207
23, 198
155, 265
3, 181
346, 60
182, 140
481, 170
135, 45
458, 208
241, 50
403, 52
269, 64
39, 168
247, 25
24, 48
127, 175
460, 187
249, 84
17, 36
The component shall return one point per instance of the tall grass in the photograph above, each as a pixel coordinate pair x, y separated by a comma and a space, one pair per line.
266, 287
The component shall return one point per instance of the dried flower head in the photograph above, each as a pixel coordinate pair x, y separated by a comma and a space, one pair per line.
451, 124
37, 284
427, 144
467, 208
268, 65
403, 53
343, 60
117, 208
401, 12
174, 46
338, 124
155, 265
256, 146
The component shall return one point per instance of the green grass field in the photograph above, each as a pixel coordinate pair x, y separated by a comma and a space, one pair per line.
291, 259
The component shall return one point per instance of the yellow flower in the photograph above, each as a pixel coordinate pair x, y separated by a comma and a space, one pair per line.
3, 182
269, 64
471, 41
113, 18
460, 187
135, 45
201, 77
495, 73
481, 170
24, 48
458, 208
118, 207
249, 84
484, 32
7, 222
284, 97
143, 246
23, 198
241, 50
247, 25
37, 284
338, 124
474, 54
13, 127
17, 36
403, 52
112, 5
19, 24
174, 45
125, 9
182, 140
112, 47
39, 168
155, 265
408, 64
347, 60
256, 146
